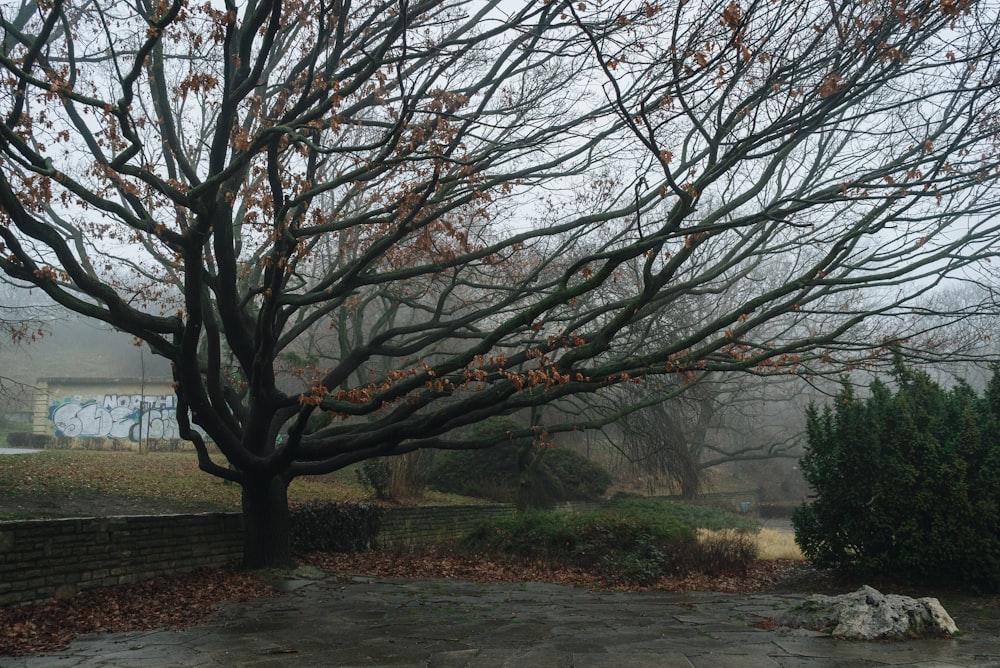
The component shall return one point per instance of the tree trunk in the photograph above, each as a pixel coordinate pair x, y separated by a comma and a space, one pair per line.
267, 540
689, 485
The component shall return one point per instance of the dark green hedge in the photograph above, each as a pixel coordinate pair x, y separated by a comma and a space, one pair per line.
906, 482
516, 470
493, 473
23, 439
334, 527
629, 541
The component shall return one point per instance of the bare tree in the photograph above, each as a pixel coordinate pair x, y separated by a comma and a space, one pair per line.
676, 435
534, 187
23, 320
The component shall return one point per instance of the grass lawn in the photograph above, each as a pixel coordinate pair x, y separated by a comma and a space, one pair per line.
171, 477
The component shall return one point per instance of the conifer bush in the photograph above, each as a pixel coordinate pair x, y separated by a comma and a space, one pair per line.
633, 548
906, 481
498, 473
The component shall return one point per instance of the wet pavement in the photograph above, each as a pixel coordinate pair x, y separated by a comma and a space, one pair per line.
450, 624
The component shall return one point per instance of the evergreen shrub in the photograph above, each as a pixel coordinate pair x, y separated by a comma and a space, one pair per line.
619, 548
630, 541
375, 475
906, 482
498, 472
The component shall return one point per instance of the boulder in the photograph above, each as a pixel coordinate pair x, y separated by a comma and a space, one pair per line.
867, 614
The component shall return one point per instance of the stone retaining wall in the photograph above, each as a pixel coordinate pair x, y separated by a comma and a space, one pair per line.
418, 526
43, 559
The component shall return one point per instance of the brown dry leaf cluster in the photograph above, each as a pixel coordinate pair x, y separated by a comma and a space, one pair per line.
173, 601
433, 565
761, 576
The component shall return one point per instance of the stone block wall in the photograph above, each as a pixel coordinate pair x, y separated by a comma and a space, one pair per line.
418, 526
44, 559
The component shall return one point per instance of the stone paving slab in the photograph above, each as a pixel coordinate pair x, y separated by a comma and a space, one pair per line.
453, 624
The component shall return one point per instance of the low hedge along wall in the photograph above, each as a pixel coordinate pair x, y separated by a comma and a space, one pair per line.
23, 439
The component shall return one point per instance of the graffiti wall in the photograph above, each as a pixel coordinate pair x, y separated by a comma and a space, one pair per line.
108, 408
132, 416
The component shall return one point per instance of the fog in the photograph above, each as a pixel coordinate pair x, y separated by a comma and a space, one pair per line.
70, 347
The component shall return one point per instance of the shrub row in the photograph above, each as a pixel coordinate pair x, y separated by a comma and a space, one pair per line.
24, 439
494, 473
702, 517
630, 541
334, 527
627, 542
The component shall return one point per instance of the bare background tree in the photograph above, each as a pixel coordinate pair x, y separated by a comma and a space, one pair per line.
22, 320
672, 438
494, 207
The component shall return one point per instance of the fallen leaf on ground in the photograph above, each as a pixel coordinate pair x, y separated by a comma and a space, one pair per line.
184, 600
761, 576
174, 601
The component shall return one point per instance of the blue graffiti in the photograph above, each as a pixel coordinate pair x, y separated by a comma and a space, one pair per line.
131, 416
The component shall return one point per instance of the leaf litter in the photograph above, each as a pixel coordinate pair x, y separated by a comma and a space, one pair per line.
171, 602
188, 599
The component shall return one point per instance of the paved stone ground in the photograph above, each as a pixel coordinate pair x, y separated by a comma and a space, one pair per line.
452, 624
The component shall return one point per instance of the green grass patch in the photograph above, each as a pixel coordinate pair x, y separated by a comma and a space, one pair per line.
699, 517
632, 540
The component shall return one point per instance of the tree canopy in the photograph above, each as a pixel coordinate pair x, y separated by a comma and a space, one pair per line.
410, 215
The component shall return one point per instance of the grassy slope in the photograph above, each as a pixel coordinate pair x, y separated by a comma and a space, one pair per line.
175, 478
156, 475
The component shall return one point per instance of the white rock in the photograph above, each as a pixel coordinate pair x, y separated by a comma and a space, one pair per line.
867, 614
